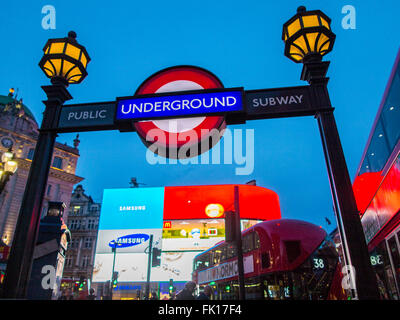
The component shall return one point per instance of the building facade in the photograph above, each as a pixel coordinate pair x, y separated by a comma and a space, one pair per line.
83, 222
377, 189
19, 131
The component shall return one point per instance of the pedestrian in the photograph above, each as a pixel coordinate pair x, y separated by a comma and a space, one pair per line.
62, 296
66, 295
187, 292
172, 295
205, 294
153, 296
91, 296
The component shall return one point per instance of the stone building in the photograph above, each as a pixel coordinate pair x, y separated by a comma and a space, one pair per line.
19, 131
83, 222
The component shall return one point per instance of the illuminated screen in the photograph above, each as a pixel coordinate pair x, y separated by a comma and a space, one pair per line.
196, 234
127, 220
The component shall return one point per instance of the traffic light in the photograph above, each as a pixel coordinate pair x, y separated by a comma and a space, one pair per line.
156, 258
230, 226
81, 281
171, 286
115, 279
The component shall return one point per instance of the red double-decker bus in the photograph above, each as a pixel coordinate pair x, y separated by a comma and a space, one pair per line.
284, 259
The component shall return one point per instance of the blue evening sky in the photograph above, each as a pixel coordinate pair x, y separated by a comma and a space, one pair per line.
240, 42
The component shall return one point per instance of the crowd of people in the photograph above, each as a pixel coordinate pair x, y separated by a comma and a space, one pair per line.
187, 293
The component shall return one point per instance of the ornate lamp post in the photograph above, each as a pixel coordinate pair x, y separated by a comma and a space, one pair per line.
64, 62
308, 37
8, 166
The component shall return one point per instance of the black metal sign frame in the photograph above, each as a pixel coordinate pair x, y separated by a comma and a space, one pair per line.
296, 101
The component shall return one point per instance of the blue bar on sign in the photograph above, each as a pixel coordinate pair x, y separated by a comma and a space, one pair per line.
179, 105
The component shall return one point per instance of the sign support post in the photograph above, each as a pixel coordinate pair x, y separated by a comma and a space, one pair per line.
242, 291
149, 268
26, 231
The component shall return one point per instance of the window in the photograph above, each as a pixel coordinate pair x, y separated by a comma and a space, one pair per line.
247, 242
91, 224
30, 154
48, 190
44, 212
74, 243
265, 260
293, 250
69, 261
231, 251
88, 242
57, 162
256, 240
391, 112
387, 132
379, 149
85, 261
75, 225
77, 210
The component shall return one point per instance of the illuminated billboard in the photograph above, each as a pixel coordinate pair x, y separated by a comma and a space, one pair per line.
192, 234
183, 221
128, 218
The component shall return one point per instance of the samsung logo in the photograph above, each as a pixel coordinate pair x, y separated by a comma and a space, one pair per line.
129, 240
132, 208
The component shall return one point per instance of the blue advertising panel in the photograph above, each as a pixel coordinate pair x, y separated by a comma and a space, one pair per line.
179, 104
127, 220
133, 208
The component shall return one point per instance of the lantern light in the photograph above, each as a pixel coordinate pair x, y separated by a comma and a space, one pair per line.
64, 60
308, 36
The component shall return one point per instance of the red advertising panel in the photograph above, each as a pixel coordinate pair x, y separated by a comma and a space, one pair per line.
190, 202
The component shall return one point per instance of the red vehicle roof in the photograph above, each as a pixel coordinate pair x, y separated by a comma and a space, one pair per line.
276, 235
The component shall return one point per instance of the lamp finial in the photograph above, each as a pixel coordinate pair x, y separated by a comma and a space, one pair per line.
301, 9
72, 35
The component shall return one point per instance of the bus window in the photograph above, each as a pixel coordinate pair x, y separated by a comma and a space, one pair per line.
248, 243
202, 262
253, 289
224, 252
276, 287
256, 240
265, 260
231, 251
216, 256
293, 250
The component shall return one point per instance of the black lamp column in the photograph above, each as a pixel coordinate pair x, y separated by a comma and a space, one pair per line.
20, 260
239, 247
351, 232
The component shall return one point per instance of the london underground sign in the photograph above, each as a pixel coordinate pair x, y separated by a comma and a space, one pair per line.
180, 104
186, 101
167, 136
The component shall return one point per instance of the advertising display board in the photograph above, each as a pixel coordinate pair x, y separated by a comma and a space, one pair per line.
179, 220
128, 218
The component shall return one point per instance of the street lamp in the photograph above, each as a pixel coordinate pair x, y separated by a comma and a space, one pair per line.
308, 37
8, 166
64, 61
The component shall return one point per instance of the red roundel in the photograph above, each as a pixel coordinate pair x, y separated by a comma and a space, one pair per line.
171, 134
